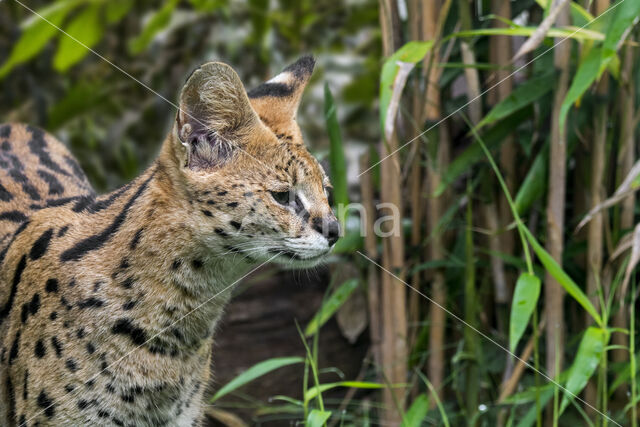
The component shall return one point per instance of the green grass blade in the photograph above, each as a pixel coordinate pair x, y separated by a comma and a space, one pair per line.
314, 391
337, 162
330, 306
584, 365
417, 412
254, 372
525, 298
318, 418
563, 278
534, 183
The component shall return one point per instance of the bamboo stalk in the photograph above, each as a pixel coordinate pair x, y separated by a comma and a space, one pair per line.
415, 181
436, 163
394, 317
371, 249
554, 293
595, 232
625, 160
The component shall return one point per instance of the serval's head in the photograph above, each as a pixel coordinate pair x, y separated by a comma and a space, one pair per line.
252, 186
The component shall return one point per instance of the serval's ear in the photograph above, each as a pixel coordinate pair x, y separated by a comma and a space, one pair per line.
215, 115
277, 100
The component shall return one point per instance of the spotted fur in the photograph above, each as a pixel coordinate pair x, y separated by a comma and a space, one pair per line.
108, 304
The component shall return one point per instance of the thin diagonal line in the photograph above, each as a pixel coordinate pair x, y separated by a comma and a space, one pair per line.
482, 334
65, 401
456, 111
159, 95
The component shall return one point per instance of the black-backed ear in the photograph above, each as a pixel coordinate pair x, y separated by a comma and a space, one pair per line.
277, 100
214, 115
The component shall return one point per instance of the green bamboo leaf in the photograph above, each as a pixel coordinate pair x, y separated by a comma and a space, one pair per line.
36, 34
338, 165
523, 95
534, 183
589, 70
623, 18
589, 353
87, 28
565, 32
563, 278
530, 417
159, 20
416, 412
525, 298
312, 392
318, 418
331, 305
254, 372
411, 52
115, 10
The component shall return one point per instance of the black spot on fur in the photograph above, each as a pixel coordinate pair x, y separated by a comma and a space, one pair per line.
13, 216
27, 187
15, 347
232, 204
220, 232
75, 168
37, 145
46, 403
5, 196
129, 305
40, 350
235, 224
206, 212
55, 187
222, 193
34, 305
56, 346
5, 131
126, 327
25, 313
136, 239
53, 315
6, 309
176, 264
51, 286
127, 283
63, 231
197, 264
90, 303
40, 246
96, 241
71, 365
80, 333
91, 348
10, 393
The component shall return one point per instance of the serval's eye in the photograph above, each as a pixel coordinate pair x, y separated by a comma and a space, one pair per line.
282, 197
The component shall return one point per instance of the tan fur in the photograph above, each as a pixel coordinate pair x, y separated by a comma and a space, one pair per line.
108, 305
